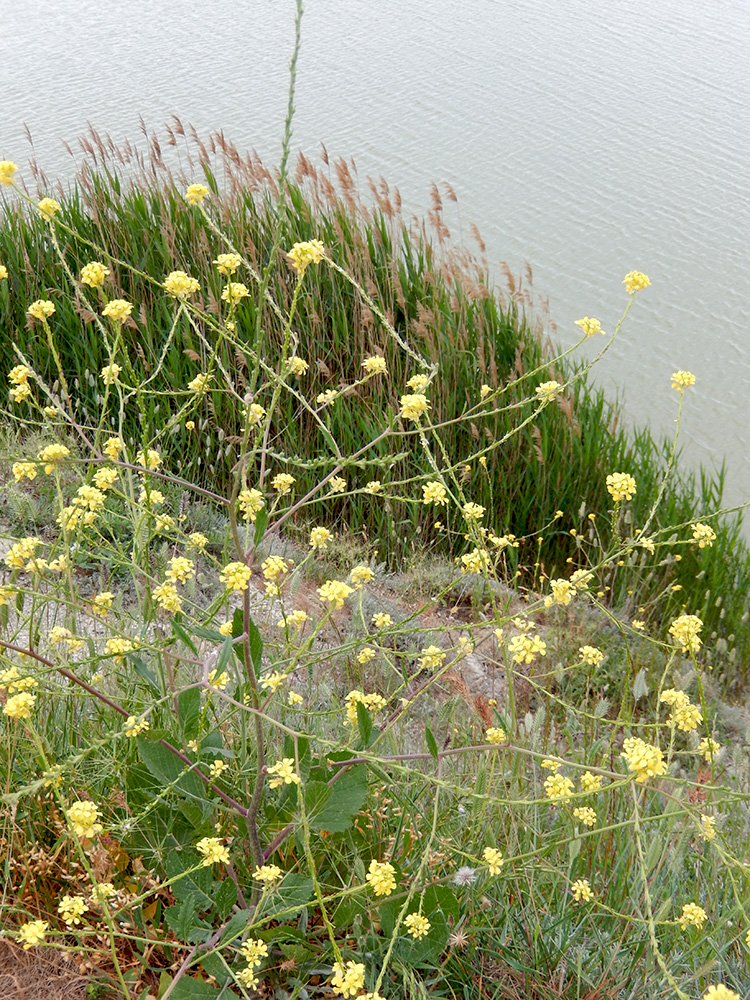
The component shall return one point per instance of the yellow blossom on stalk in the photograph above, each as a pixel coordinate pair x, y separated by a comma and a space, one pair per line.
703, 534
374, 487
381, 619
48, 208
234, 292
19, 392
93, 274
621, 486
247, 978
23, 470
634, 281
303, 254
708, 748
319, 538
180, 284
134, 727
720, 992
686, 718
111, 373
495, 735
7, 170
375, 365
589, 326
413, 406
267, 874
684, 630
282, 483
484, 391
692, 916
180, 569
118, 646
227, 263
526, 648
373, 703
41, 309
273, 567
103, 891
83, 818
226, 628
297, 366
197, 540
474, 562
102, 603
272, 682
708, 827
646, 760
219, 680
32, 933
361, 575
251, 502
366, 655
113, 447
473, 511
582, 891
199, 383
551, 765
675, 699
105, 478
71, 909
235, 576
296, 619
3, 272
283, 773
493, 858
213, 851
295, 699
682, 380
335, 593
557, 786
151, 459
17, 555
348, 981
19, 375
581, 579
434, 493
380, 875
14, 682
547, 390
418, 382
254, 951
637, 624
431, 658
255, 414
19, 706
563, 592
337, 485
591, 655
167, 598
585, 815
117, 310
327, 397
196, 193
217, 768
417, 925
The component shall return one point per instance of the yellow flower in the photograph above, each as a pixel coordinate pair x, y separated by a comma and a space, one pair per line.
334, 592
272, 682
493, 858
327, 397
167, 598
7, 170
48, 207
374, 487
692, 916
418, 383
117, 646
267, 874
103, 891
32, 933
621, 486
234, 292
117, 310
219, 680
71, 909
547, 390
295, 699
180, 569
495, 735
413, 406
23, 470
337, 485
217, 768
585, 815
708, 827
235, 576
432, 657
703, 534
434, 493
41, 309
113, 447
17, 555
417, 925
591, 655
556, 786
589, 326
227, 263
105, 478
686, 718
283, 773
362, 575
634, 281
381, 877
283, 483
708, 748
303, 254
381, 619
296, 619
196, 193
134, 727
151, 460
720, 992
110, 373
213, 851
93, 274
297, 366
375, 365
3, 272
199, 383
526, 648
473, 511
682, 380
319, 538
646, 760
83, 818
255, 414
19, 706
484, 391
180, 284
366, 655
102, 603
197, 540
582, 890
373, 703
563, 592
347, 982
251, 502
684, 630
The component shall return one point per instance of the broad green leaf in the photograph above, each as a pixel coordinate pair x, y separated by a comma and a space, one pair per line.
196, 989
196, 884
364, 722
168, 768
261, 523
317, 796
182, 634
348, 795
430, 741
189, 711
293, 891
225, 897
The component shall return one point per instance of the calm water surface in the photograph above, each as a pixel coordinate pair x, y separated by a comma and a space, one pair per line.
588, 139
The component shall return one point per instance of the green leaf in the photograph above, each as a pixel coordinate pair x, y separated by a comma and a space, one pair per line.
574, 849
293, 891
189, 711
206, 633
145, 672
256, 646
364, 722
182, 634
168, 768
317, 796
196, 884
236, 925
196, 989
183, 919
226, 897
261, 523
238, 620
430, 741
348, 795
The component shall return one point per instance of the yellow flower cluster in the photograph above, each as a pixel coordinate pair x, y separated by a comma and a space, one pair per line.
413, 406
110, 373
634, 281
297, 366
319, 538
434, 492
720, 992
361, 575
93, 274
703, 534
646, 760
19, 380
366, 654
682, 380
582, 891
19, 554
19, 706
432, 657
303, 254
117, 647
621, 486
267, 874
381, 877
235, 576
692, 916
134, 727
296, 619
118, 310
32, 933
83, 818
272, 682
526, 648
48, 208
196, 193
71, 909
251, 502
493, 858
334, 592
417, 925
563, 592
375, 365
227, 263
473, 511
337, 485
213, 851
495, 735
684, 630
7, 170
234, 292
547, 391
282, 483
348, 981
591, 782
591, 655
557, 786
42, 309
102, 603
708, 748
589, 326
381, 619
253, 951
585, 815
283, 773
373, 703
684, 716
151, 459
197, 540
167, 598
23, 470
475, 561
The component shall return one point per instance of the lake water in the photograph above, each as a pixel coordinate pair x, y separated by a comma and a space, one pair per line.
587, 139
